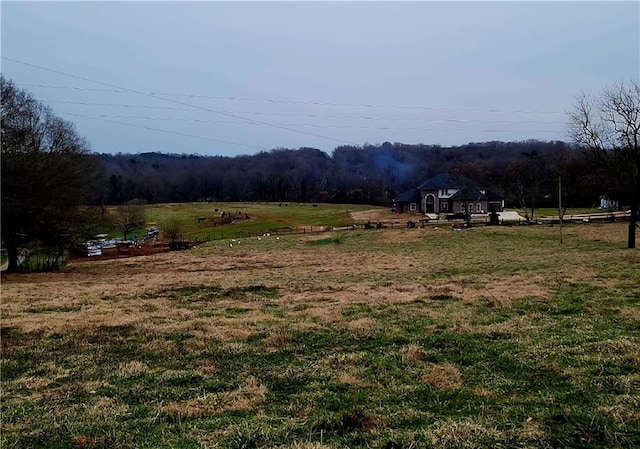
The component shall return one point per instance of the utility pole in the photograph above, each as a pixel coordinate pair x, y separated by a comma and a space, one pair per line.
560, 214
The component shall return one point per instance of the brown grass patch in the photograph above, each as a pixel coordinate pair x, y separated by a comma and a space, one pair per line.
459, 434
133, 368
501, 290
341, 361
351, 379
413, 353
309, 446
363, 327
404, 236
532, 430
279, 338
107, 408
624, 409
445, 376
375, 215
246, 397
602, 232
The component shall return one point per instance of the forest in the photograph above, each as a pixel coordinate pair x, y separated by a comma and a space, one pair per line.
525, 172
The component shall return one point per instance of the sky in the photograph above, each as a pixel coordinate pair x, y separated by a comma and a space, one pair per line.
231, 78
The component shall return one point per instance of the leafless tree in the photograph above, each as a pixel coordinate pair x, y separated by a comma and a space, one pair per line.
172, 229
609, 126
47, 171
130, 217
524, 178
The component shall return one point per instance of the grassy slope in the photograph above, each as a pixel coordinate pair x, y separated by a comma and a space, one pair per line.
263, 216
492, 337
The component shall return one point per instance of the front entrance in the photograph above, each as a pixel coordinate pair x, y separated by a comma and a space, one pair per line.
430, 204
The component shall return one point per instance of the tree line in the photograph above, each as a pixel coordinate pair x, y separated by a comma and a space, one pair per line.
525, 172
50, 177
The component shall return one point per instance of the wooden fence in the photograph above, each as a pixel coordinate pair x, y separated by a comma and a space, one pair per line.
421, 223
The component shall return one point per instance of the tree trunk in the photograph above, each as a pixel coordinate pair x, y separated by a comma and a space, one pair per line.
633, 220
631, 240
12, 254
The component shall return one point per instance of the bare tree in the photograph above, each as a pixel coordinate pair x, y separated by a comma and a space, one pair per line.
609, 127
47, 171
130, 217
524, 178
172, 229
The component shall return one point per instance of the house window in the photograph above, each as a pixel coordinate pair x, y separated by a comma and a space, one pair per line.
444, 206
479, 207
412, 206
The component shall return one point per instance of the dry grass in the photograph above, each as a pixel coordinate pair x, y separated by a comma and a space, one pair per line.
246, 397
426, 333
445, 376
412, 353
460, 434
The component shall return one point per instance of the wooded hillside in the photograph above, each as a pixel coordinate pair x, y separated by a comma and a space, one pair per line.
371, 174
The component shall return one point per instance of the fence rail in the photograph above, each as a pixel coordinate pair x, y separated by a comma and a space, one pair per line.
588, 218
397, 224
320, 229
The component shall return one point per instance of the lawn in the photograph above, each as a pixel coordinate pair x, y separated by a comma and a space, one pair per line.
197, 219
403, 338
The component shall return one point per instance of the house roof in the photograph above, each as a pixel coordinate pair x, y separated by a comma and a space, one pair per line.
444, 181
441, 181
475, 195
410, 196
493, 196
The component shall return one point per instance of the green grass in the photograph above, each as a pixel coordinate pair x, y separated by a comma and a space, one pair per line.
553, 211
263, 217
491, 337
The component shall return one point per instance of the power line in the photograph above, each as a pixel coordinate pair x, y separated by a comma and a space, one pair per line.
245, 120
152, 95
133, 106
162, 130
272, 100
287, 114
309, 125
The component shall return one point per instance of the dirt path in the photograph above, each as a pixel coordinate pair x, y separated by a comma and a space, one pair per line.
385, 215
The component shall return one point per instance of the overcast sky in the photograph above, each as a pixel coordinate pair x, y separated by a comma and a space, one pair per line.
236, 78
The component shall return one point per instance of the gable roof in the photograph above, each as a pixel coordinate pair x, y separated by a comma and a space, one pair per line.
410, 196
441, 181
475, 195
445, 181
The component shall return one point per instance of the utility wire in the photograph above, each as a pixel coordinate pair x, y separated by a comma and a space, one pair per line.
153, 95
114, 105
306, 125
271, 100
287, 114
161, 130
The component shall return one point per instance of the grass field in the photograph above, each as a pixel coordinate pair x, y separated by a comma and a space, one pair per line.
405, 338
196, 219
